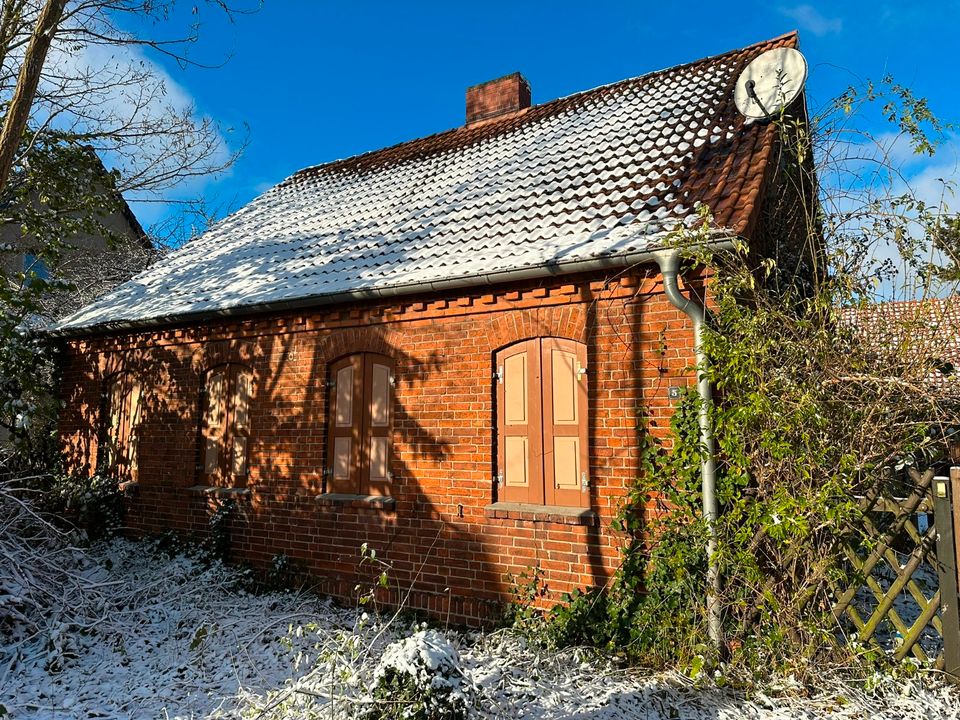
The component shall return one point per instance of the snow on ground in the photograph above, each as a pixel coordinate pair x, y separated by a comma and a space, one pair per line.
178, 639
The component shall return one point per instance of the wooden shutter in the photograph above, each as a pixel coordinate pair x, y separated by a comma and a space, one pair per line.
111, 445
118, 450
242, 392
214, 421
565, 422
345, 413
135, 413
115, 428
519, 430
377, 424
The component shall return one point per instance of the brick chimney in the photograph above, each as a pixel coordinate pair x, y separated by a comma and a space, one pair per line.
497, 97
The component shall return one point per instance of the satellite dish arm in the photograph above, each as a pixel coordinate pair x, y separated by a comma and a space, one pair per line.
751, 88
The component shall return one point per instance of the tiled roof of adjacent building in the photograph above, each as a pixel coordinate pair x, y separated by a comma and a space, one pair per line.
601, 175
921, 337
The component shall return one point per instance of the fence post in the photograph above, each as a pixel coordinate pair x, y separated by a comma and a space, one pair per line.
946, 491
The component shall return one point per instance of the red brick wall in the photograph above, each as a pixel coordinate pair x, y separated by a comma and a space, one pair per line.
438, 538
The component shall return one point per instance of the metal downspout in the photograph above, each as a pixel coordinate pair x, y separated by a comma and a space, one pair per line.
669, 262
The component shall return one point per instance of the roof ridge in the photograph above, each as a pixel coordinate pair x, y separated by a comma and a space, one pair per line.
492, 127
673, 68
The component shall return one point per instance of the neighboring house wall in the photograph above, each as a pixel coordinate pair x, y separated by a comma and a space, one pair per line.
92, 263
437, 528
122, 223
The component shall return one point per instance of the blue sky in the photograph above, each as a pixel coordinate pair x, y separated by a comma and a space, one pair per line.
316, 81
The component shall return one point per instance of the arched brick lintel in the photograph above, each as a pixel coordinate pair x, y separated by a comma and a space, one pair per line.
337, 344
222, 352
561, 321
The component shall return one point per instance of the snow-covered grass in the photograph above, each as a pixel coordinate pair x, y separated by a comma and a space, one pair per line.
166, 636
177, 638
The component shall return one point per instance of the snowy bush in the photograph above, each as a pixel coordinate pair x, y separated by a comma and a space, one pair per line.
421, 677
93, 503
41, 577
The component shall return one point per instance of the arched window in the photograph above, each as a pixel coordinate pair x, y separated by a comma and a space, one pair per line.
542, 422
360, 423
122, 411
225, 425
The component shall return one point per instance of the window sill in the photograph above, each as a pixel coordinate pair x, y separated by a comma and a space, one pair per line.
220, 492
370, 502
541, 513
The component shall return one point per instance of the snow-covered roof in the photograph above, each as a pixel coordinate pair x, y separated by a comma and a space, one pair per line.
601, 175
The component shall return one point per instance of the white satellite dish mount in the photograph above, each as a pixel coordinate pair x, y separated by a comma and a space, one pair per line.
770, 83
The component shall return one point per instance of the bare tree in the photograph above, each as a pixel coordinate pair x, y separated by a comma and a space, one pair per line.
91, 120
98, 87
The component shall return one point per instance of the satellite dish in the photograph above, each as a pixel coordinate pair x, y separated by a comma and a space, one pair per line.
770, 83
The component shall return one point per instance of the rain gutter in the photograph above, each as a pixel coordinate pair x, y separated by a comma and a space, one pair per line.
373, 294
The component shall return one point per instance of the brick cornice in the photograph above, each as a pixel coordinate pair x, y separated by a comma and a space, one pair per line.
566, 291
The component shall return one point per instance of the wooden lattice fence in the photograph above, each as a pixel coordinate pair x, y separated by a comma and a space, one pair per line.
895, 598
905, 591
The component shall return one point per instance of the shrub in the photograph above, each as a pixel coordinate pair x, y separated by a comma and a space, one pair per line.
93, 503
420, 678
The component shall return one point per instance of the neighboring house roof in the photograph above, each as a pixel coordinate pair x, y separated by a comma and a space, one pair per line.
921, 336
601, 175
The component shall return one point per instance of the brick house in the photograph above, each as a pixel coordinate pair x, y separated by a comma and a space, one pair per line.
442, 348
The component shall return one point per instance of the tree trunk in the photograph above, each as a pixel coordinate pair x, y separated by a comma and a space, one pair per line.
19, 111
